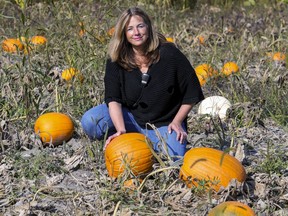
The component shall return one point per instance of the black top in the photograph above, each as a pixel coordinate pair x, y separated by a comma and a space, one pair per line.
172, 82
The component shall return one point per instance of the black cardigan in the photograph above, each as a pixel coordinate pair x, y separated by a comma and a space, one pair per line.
172, 82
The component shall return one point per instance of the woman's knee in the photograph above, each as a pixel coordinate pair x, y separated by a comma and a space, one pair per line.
169, 142
95, 122
175, 148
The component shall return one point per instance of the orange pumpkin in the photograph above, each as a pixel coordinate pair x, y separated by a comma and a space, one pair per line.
132, 183
170, 39
128, 151
111, 31
54, 128
278, 56
82, 29
233, 208
69, 73
38, 40
12, 45
229, 68
201, 39
82, 32
213, 166
203, 72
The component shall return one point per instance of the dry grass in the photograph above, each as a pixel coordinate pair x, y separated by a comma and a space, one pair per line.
72, 179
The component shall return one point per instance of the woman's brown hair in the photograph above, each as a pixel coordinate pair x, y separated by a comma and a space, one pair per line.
121, 51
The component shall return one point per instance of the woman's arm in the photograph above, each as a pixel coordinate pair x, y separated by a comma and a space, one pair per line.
176, 124
115, 111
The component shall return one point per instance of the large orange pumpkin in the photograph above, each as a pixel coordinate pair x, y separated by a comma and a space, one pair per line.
204, 71
54, 128
233, 208
12, 45
128, 151
211, 165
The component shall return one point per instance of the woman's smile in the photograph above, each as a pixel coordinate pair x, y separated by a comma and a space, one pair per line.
137, 38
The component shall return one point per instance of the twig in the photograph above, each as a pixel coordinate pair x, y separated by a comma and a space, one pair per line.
116, 208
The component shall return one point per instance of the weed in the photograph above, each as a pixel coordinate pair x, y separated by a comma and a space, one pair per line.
274, 161
36, 166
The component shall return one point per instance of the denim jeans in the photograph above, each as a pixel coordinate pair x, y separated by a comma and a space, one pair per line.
96, 122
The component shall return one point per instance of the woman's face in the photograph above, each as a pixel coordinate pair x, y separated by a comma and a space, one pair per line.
136, 31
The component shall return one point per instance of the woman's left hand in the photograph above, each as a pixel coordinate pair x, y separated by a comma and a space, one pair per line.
110, 138
181, 133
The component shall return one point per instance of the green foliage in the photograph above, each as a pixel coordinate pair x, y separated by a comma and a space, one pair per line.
36, 166
275, 162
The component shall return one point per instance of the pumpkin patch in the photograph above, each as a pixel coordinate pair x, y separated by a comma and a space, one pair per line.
71, 178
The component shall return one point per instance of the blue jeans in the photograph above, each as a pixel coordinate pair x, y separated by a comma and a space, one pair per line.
96, 122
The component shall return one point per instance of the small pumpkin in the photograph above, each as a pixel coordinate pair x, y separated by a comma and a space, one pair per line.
111, 31
70, 73
214, 106
204, 71
54, 128
233, 208
279, 56
82, 32
229, 68
170, 39
38, 40
132, 184
215, 167
82, 29
201, 39
12, 45
128, 151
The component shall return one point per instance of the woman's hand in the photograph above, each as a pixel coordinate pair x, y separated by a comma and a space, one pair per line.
110, 138
176, 124
181, 133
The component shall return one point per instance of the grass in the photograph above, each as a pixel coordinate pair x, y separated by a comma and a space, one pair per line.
31, 84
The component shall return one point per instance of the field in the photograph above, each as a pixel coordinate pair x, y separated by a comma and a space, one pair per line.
71, 178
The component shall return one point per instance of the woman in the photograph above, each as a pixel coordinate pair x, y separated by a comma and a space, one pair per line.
149, 84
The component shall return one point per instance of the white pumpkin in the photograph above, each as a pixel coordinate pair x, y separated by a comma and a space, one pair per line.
214, 105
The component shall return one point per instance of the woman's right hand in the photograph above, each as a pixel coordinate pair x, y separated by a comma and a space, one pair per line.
110, 138
115, 111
